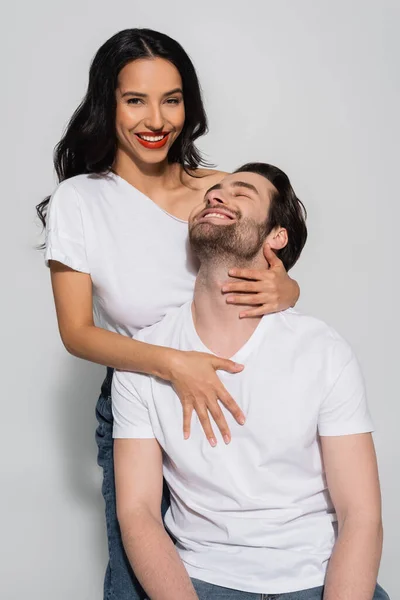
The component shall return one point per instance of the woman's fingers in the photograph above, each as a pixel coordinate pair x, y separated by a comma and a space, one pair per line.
223, 395
202, 413
199, 388
265, 309
187, 419
251, 274
253, 300
241, 286
271, 257
231, 405
224, 364
210, 406
220, 421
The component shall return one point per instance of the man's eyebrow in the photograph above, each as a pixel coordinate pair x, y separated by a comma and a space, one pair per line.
217, 186
141, 95
244, 184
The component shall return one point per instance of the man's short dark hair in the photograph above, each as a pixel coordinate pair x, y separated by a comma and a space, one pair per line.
286, 211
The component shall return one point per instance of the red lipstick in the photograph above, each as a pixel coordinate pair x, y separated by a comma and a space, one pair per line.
157, 143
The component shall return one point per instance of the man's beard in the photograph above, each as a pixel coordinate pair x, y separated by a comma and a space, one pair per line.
241, 241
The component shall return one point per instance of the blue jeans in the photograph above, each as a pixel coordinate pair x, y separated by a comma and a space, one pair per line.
208, 591
120, 582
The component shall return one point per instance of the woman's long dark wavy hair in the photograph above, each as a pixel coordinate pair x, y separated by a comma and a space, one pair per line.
89, 143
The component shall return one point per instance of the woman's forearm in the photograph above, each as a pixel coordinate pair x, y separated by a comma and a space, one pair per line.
121, 352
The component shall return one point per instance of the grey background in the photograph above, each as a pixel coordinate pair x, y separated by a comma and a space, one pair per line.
312, 86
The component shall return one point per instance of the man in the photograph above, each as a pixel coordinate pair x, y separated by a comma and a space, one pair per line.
252, 518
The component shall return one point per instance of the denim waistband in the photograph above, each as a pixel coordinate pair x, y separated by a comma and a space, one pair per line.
106, 386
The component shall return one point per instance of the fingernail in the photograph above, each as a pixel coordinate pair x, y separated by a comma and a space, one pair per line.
185, 435
227, 439
213, 442
224, 288
242, 420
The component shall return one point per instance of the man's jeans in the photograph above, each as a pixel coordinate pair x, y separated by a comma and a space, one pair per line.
208, 591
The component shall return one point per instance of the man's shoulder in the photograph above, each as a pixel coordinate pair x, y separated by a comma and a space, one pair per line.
314, 334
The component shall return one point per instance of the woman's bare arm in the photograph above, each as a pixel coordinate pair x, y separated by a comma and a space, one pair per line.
193, 374
81, 337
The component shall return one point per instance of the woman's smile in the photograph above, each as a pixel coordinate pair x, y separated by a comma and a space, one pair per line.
153, 141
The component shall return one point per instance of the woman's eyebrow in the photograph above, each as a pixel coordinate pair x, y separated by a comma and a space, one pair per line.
177, 90
141, 95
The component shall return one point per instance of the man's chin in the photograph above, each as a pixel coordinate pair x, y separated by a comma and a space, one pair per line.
208, 228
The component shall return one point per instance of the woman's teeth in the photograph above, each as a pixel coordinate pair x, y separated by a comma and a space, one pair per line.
152, 138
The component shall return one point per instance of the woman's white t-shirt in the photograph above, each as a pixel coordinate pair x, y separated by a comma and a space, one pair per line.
137, 255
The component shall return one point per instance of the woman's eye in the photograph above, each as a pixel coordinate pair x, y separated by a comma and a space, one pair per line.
173, 101
134, 101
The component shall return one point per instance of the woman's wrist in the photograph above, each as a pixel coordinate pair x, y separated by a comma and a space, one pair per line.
166, 362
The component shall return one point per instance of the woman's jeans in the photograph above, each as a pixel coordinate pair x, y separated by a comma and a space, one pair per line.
208, 591
120, 583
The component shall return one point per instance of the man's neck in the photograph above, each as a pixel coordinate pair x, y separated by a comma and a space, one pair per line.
217, 322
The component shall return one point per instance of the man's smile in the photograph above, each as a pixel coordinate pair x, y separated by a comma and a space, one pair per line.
220, 215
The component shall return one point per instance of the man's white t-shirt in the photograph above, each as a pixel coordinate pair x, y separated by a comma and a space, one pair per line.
254, 515
137, 254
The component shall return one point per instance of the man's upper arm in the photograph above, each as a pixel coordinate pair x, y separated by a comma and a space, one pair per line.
138, 477
137, 454
348, 450
352, 476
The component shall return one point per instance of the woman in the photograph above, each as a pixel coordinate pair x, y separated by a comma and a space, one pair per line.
116, 240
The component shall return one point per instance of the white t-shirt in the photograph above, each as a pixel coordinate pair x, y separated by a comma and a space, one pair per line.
137, 254
254, 515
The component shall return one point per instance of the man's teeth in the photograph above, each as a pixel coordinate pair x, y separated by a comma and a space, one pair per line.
215, 215
152, 138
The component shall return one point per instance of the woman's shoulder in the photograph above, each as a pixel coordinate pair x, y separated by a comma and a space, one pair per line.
202, 179
210, 174
81, 183
76, 192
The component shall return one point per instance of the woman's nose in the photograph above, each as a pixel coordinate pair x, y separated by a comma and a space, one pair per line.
154, 120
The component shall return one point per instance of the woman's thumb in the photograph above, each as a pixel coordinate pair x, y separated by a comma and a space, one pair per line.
224, 364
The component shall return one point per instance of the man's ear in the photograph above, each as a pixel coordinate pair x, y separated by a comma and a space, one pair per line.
277, 238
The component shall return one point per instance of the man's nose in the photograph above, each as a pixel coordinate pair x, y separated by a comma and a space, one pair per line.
215, 198
154, 119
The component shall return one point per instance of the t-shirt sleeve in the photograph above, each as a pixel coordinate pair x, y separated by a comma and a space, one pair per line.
130, 411
344, 410
65, 239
